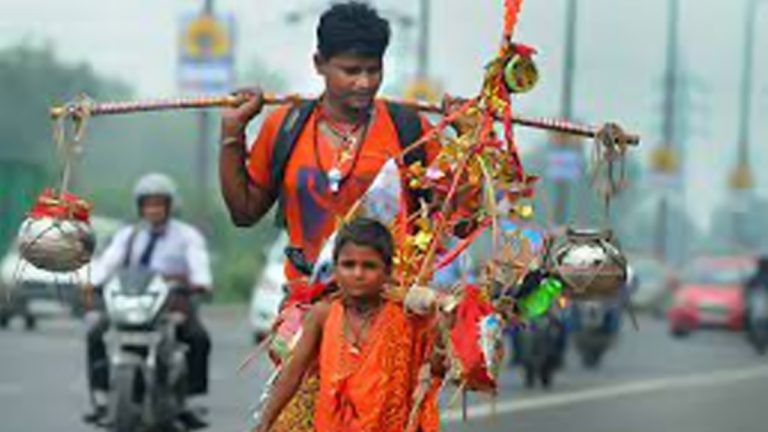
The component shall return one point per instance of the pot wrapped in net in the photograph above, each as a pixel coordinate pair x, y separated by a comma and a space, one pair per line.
56, 235
590, 264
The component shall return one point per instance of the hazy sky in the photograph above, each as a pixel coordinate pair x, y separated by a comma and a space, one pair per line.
620, 59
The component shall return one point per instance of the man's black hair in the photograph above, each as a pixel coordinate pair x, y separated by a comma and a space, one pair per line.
352, 28
367, 232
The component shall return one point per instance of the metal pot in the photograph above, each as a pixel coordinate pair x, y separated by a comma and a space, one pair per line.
56, 244
589, 262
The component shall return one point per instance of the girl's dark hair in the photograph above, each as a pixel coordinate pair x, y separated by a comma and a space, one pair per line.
352, 28
368, 232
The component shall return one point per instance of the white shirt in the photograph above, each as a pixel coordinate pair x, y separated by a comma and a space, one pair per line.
179, 251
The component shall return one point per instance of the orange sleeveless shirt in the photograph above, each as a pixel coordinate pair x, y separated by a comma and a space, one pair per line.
312, 211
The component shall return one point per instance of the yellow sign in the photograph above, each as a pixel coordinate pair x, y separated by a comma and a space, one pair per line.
664, 160
423, 89
206, 38
741, 178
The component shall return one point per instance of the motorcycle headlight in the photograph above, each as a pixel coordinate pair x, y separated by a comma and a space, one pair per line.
133, 310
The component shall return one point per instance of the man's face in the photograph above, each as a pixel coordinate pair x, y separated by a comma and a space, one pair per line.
351, 79
360, 271
155, 209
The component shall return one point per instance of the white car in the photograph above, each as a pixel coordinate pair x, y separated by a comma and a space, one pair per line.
268, 291
33, 291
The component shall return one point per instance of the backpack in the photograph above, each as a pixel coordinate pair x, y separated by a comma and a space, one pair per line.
406, 121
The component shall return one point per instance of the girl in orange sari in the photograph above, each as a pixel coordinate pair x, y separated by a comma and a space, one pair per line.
369, 350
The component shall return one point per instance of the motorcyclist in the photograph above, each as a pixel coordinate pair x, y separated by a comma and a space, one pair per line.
759, 280
556, 320
167, 246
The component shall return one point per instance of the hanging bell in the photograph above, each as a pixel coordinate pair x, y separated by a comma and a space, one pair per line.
520, 72
589, 262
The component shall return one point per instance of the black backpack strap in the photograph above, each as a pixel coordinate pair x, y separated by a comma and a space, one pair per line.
129, 247
408, 125
284, 144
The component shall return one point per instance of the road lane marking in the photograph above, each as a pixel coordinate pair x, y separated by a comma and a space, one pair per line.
627, 389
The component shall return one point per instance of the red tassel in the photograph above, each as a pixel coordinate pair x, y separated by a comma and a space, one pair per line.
511, 11
64, 206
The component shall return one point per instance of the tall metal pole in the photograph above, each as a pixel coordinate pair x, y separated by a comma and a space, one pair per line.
746, 82
569, 66
670, 120
422, 65
562, 187
741, 179
203, 158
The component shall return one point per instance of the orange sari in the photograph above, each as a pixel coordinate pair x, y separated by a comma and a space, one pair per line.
372, 389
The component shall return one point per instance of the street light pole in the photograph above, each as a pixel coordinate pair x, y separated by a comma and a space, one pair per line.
422, 66
670, 122
741, 181
203, 159
746, 82
562, 186
566, 98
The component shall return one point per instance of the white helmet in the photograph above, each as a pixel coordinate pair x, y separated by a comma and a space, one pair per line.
156, 184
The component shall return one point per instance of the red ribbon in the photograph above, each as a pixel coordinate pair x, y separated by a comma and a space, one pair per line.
63, 206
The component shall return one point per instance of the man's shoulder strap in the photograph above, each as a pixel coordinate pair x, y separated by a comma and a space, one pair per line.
290, 129
289, 132
408, 125
129, 245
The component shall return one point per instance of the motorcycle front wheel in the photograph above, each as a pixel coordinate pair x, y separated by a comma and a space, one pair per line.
125, 410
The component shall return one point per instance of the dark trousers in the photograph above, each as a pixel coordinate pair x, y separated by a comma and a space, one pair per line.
191, 332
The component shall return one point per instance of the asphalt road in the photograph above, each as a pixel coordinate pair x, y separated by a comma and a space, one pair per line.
711, 381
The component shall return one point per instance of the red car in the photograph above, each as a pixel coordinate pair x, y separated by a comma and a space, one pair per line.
711, 295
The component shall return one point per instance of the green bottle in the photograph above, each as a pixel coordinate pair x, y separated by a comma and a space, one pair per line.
540, 300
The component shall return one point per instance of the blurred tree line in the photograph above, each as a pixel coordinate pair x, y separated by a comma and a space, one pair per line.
117, 150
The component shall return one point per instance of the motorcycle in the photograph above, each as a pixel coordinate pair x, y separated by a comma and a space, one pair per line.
757, 320
540, 351
148, 370
595, 330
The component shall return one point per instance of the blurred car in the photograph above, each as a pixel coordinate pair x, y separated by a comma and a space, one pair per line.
711, 294
268, 291
32, 291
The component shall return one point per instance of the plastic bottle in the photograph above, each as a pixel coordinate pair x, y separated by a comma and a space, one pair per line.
540, 300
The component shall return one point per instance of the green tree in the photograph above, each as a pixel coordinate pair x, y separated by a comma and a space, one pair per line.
117, 150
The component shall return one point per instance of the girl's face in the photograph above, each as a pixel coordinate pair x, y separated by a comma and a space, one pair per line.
360, 271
